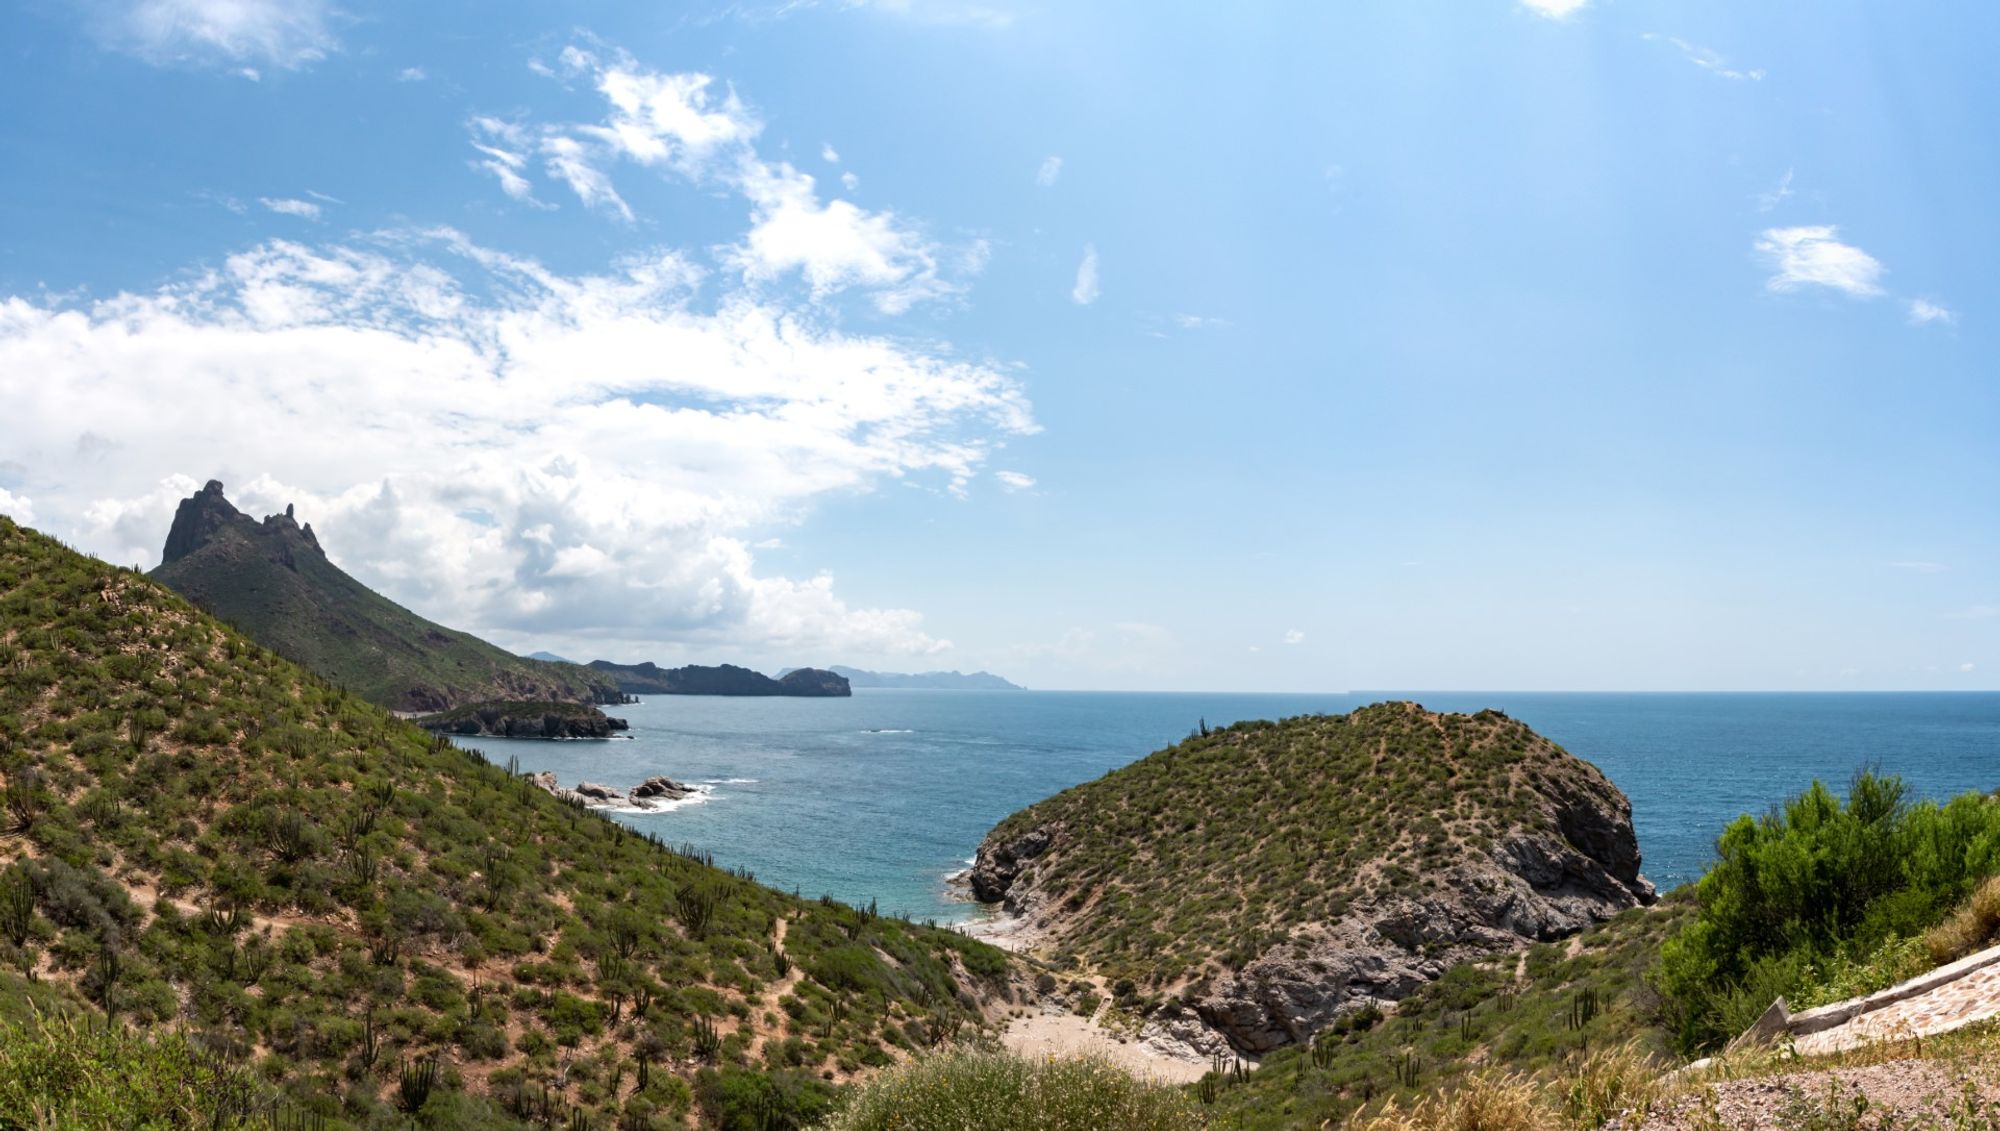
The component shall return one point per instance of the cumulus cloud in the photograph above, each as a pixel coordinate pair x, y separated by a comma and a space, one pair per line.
1814, 256
1087, 289
1924, 312
829, 154
412, 74
1555, 9
303, 209
691, 128
520, 452
1714, 62
17, 507
238, 34
1050, 172
1294, 636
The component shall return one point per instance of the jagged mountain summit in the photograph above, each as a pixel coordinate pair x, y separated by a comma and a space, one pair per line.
1277, 875
274, 582
724, 679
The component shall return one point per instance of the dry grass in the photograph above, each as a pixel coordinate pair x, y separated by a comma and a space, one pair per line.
1970, 928
1584, 1094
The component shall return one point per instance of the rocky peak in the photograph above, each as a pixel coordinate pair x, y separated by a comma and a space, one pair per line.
204, 515
198, 519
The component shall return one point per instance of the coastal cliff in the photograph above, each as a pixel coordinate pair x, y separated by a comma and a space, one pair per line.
1264, 879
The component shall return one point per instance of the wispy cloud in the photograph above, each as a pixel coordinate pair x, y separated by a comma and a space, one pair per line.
689, 127
1555, 9
1050, 172
1014, 480
1294, 636
1708, 59
1087, 289
1924, 312
303, 209
1200, 322
237, 34
1814, 256
1766, 201
412, 74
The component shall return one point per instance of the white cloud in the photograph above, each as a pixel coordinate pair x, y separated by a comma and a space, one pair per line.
850, 182
502, 145
1087, 289
1966, 667
1200, 322
1924, 312
1766, 201
692, 128
1814, 256
1050, 172
303, 209
1707, 59
1555, 9
17, 507
412, 74
585, 458
234, 33
1014, 480
829, 154
1294, 636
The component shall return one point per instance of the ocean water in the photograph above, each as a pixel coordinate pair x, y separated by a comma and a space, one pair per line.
884, 795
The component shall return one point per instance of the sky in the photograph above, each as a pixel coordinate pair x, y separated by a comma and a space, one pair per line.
1417, 344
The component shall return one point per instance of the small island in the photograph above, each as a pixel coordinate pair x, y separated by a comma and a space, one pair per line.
499, 719
723, 679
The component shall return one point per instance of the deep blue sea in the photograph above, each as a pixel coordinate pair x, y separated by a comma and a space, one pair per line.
884, 795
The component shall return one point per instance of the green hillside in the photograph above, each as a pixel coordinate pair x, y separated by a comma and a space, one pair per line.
352, 919
1212, 852
272, 581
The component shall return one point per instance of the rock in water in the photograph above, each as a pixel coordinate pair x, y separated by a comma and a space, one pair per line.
1277, 875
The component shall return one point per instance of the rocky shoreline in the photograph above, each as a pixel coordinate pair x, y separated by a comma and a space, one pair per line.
658, 793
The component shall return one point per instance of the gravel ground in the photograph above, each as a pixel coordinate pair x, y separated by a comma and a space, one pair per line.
1906, 1095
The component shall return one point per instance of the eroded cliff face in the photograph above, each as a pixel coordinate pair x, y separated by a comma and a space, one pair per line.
1531, 844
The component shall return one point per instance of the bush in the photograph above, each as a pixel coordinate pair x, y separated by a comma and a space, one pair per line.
1970, 928
1816, 885
64, 1074
987, 1091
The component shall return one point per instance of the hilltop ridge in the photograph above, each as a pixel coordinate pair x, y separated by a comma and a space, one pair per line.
273, 581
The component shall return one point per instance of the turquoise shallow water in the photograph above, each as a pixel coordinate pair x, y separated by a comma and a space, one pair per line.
883, 795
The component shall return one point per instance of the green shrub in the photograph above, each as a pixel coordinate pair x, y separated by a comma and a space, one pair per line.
1819, 884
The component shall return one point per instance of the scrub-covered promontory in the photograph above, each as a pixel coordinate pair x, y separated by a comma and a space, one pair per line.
1269, 876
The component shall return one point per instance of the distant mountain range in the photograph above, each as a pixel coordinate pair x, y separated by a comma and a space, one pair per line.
550, 658
726, 679
272, 581
937, 681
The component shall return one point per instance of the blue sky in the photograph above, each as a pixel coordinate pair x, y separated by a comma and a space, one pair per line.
1394, 344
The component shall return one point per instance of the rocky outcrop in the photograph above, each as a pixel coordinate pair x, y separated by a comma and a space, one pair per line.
1532, 844
653, 793
724, 679
525, 720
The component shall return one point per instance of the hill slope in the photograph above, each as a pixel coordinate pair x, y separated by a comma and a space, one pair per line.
272, 581
201, 834
1275, 875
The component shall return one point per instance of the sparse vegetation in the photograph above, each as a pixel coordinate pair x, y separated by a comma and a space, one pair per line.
331, 900
991, 1091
